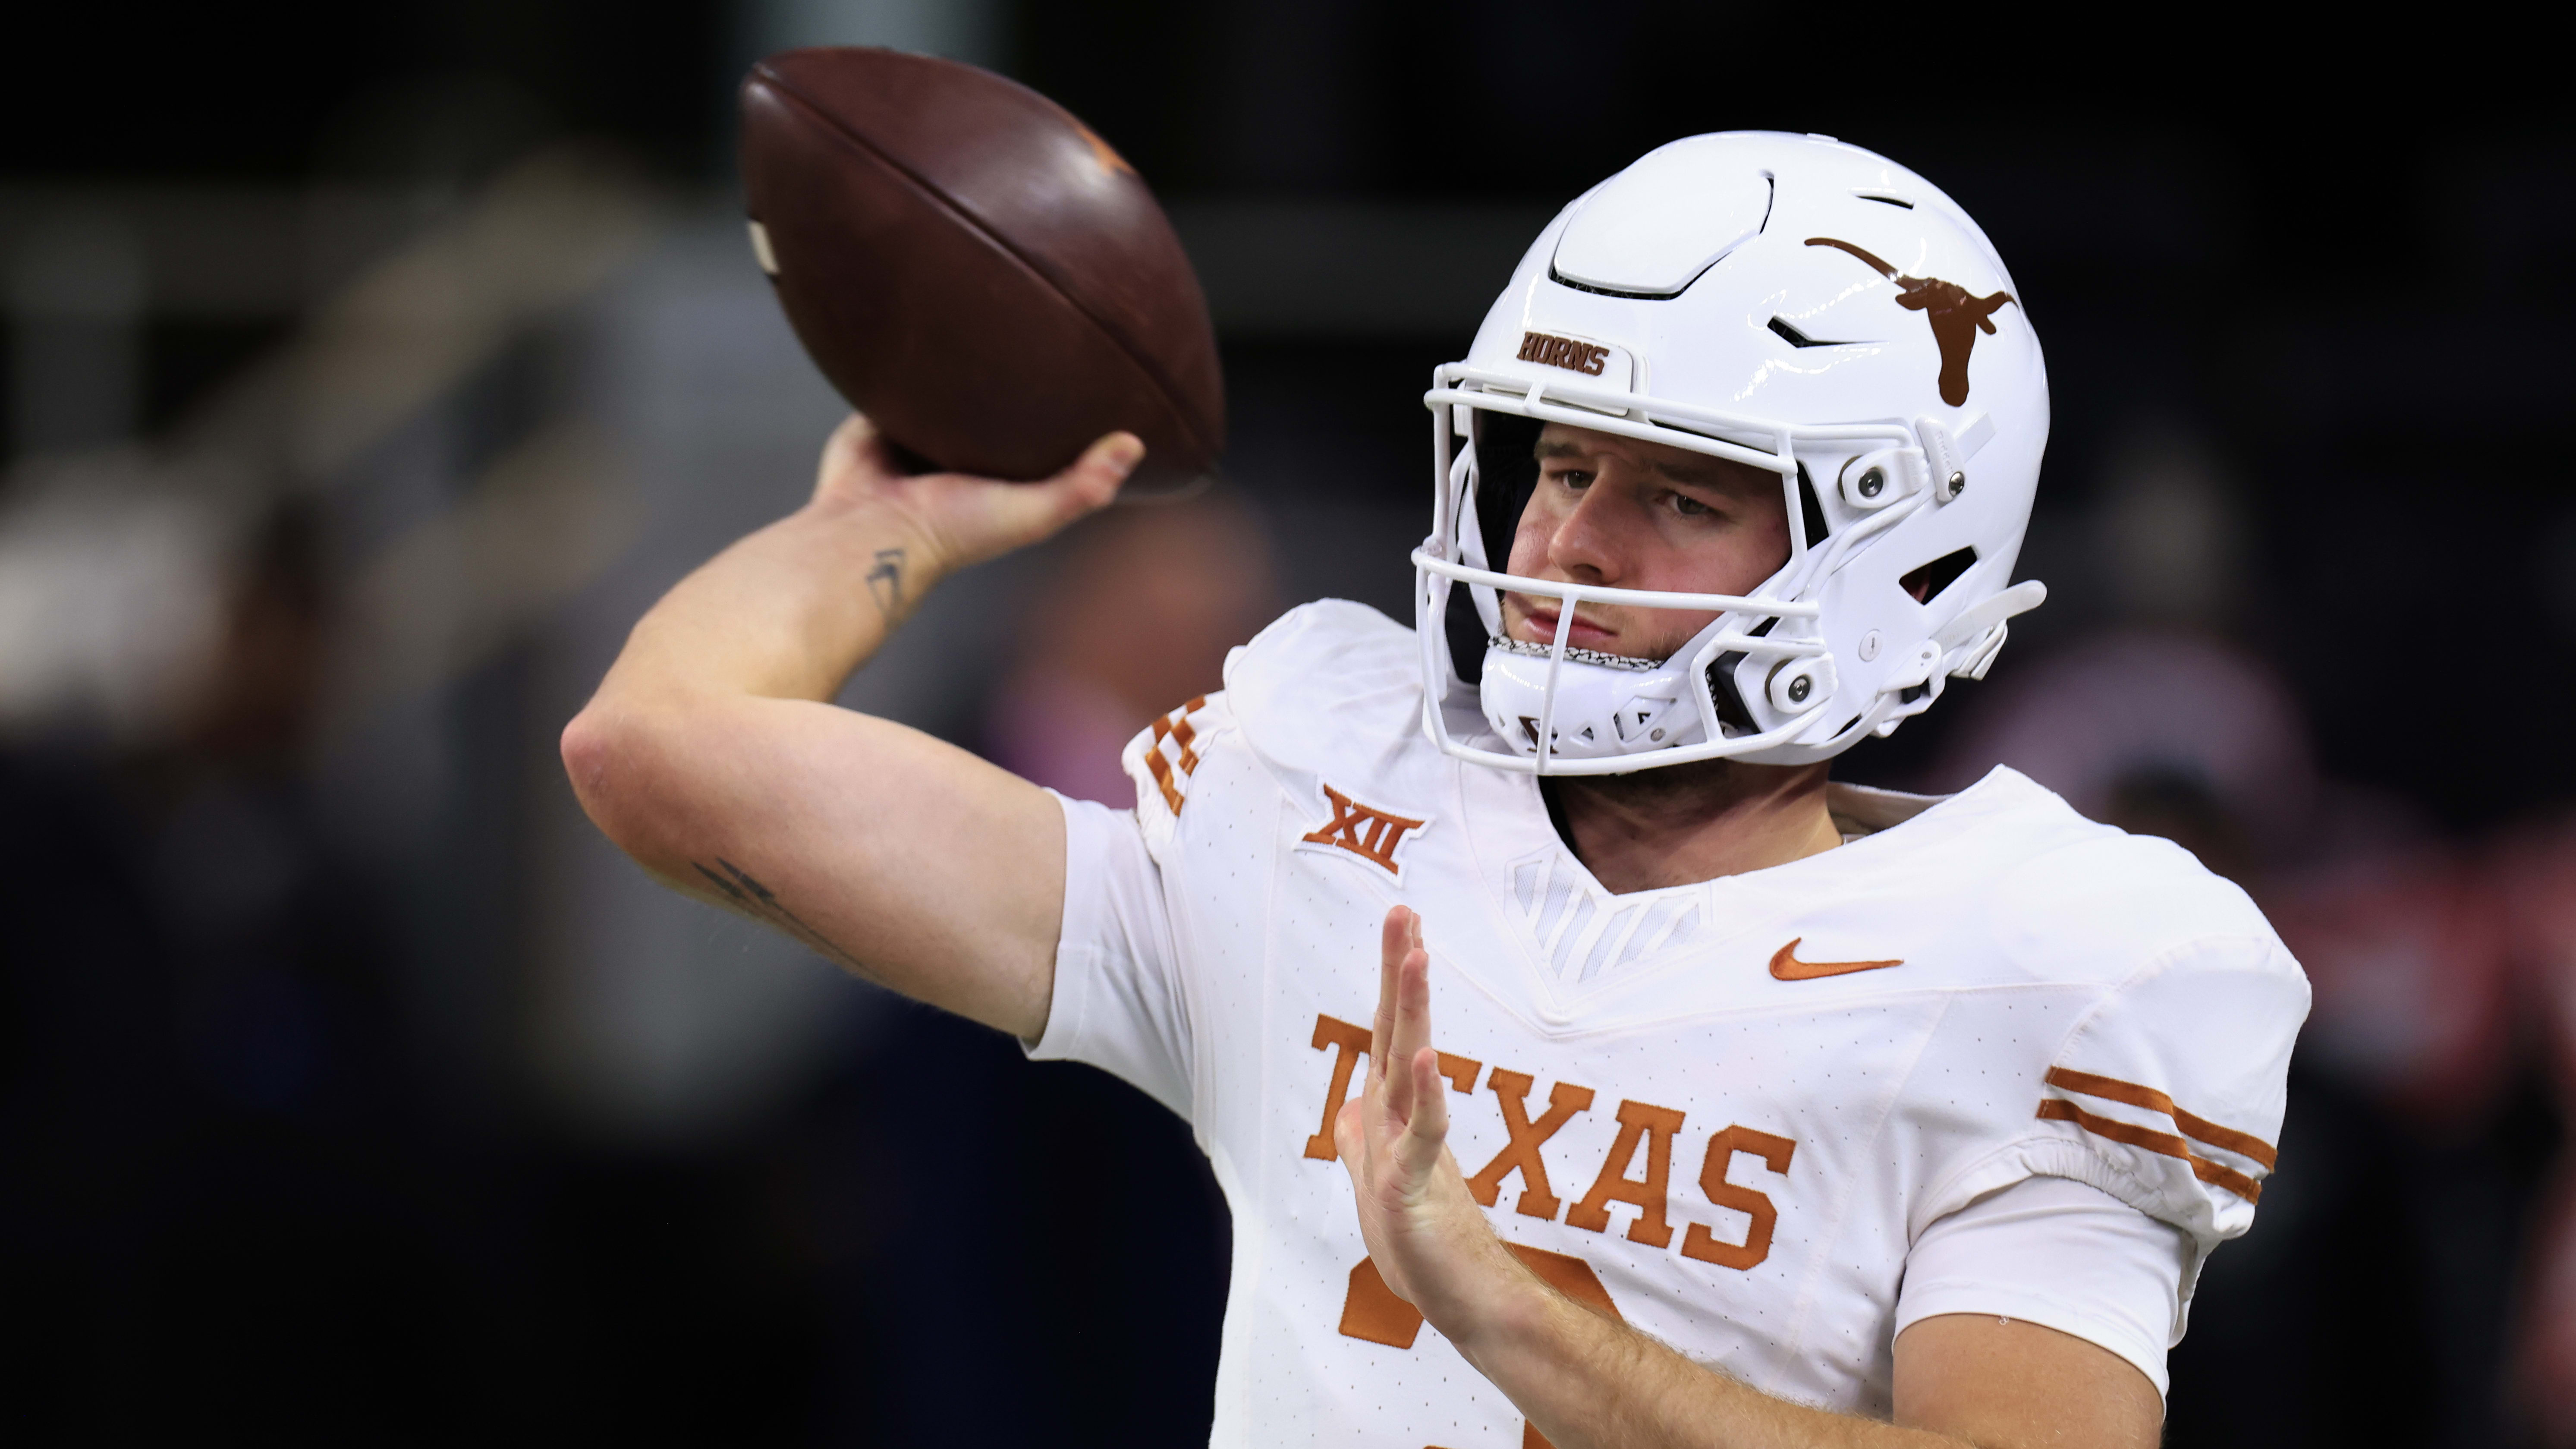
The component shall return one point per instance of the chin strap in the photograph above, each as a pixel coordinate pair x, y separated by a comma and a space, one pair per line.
1977, 634
1982, 627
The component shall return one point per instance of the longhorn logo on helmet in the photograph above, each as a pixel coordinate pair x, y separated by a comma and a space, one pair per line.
1957, 315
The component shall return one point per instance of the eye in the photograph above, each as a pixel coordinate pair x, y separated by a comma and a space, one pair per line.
1689, 507
1575, 478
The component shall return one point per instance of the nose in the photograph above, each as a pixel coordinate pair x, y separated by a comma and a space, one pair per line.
1585, 547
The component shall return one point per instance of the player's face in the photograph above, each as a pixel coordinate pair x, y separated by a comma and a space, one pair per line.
1637, 515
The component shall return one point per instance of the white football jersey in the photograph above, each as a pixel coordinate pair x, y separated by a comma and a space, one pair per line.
1722, 1111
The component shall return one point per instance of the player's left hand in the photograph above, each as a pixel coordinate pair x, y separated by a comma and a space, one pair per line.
1430, 1242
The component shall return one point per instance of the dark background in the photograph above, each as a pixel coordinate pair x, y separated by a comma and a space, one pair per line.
2349, 262
2345, 273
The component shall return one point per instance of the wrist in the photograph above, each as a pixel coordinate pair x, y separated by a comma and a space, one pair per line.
880, 557
867, 526
786, 613
1496, 1302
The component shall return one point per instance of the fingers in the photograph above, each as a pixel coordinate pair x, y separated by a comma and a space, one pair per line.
1395, 937
1095, 477
961, 519
1350, 1135
1393, 1134
1017, 514
1408, 1036
1418, 1148
1395, 934
854, 457
1086, 487
1410, 1030
1088, 483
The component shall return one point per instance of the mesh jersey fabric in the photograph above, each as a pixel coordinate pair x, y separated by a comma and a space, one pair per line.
2047, 1250
1739, 1110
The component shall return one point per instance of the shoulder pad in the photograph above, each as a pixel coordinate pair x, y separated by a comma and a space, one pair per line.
2087, 900
1330, 700
1323, 678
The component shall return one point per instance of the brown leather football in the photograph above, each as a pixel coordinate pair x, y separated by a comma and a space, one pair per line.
974, 269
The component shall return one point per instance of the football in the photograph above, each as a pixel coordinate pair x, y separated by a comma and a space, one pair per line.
974, 269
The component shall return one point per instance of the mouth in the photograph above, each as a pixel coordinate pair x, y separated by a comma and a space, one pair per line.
1584, 634
1576, 653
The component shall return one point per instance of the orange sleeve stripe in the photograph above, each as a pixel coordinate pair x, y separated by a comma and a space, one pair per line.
2057, 1110
2200, 1129
1163, 777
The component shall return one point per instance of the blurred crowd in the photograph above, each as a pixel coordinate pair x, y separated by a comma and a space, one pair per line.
352, 1088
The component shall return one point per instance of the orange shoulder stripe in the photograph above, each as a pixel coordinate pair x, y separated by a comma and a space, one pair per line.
1162, 773
1175, 727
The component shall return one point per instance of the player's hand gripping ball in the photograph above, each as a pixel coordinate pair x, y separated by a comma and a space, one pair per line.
946, 521
974, 269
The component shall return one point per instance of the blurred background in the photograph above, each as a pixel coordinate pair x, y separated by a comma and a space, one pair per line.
368, 371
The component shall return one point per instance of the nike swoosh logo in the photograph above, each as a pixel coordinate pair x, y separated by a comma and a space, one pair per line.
1786, 966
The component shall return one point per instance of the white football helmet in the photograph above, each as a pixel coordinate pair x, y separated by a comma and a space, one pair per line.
1784, 301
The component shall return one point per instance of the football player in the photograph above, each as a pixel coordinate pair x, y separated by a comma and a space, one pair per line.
1763, 1110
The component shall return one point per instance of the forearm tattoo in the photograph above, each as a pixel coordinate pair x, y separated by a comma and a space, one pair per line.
758, 901
885, 584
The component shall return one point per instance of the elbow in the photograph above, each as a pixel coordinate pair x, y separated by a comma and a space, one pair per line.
586, 753
604, 753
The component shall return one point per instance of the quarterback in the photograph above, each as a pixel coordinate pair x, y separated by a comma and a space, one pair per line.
1758, 1110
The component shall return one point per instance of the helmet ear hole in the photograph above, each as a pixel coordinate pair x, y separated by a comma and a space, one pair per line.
1928, 582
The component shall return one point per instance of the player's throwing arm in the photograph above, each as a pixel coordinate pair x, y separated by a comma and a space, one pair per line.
711, 754
978, 272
